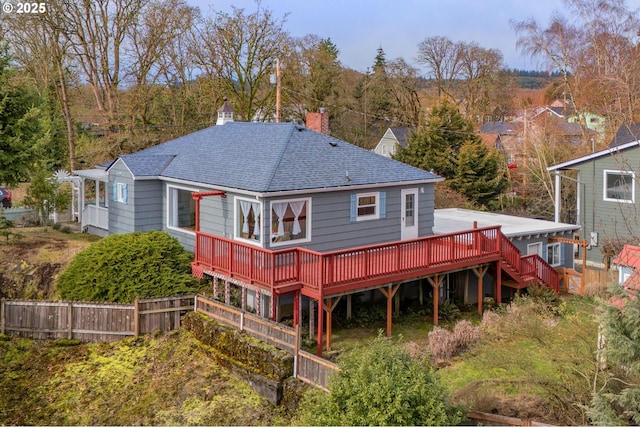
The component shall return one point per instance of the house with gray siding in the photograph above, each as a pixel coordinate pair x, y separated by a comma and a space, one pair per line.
284, 185
296, 219
605, 198
392, 140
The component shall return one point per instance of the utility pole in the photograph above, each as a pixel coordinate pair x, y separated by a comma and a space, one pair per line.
277, 91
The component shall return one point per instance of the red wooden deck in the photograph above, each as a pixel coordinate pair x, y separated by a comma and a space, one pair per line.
319, 275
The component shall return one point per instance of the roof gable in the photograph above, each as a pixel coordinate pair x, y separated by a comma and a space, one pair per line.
270, 157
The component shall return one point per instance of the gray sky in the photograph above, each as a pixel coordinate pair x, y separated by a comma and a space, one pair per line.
359, 27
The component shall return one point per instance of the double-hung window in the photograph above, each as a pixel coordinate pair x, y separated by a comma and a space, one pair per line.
290, 221
182, 209
366, 206
248, 219
619, 186
554, 257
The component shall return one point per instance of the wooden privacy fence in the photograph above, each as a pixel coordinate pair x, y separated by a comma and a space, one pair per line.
95, 322
308, 367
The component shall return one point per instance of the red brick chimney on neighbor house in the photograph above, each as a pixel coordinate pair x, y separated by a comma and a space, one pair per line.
318, 122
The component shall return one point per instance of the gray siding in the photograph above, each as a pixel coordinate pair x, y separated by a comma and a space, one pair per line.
121, 215
332, 229
612, 221
144, 207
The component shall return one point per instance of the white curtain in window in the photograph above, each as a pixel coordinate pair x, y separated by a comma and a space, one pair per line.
246, 208
279, 209
256, 216
296, 207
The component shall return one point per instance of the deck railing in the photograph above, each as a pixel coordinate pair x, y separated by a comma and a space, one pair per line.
337, 269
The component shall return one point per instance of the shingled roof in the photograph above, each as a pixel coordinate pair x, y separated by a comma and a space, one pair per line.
269, 157
627, 132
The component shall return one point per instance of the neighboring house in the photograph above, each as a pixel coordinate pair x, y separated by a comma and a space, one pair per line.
296, 219
628, 262
591, 121
606, 195
392, 139
504, 136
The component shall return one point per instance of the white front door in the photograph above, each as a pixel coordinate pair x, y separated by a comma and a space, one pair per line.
409, 224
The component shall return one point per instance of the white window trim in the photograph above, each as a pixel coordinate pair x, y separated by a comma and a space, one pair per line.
172, 206
555, 247
618, 172
375, 215
236, 225
120, 186
294, 241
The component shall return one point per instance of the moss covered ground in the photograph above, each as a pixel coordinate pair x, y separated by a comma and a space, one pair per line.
166, 380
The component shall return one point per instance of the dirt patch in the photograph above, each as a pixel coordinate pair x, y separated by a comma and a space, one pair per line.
29, 265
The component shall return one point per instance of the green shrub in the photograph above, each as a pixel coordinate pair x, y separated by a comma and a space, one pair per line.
381, 384
122, 267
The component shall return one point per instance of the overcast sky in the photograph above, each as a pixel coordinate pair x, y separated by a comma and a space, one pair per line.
359, 27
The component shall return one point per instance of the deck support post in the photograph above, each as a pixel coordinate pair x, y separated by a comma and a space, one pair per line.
215, 288
435, 283
312, 319
227, 292
389, 293
498, 281
320, 324
332, 304
480, 272
296, 308
243, 298
420, 292
349, 306
259, 302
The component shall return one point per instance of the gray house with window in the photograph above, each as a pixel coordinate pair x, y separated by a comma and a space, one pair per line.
603, 186
280, 185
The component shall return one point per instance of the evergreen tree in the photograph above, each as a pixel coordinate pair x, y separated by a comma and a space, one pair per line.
480, 173
436, 147
619, 402
450, 148
20, 126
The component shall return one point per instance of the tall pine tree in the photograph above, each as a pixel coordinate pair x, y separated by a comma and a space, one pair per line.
449, 147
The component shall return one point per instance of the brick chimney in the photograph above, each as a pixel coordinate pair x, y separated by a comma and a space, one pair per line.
318, 122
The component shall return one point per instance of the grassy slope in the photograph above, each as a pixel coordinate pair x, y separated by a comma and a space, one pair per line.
170, 380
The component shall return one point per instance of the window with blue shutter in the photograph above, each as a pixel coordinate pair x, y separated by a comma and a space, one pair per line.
366, 206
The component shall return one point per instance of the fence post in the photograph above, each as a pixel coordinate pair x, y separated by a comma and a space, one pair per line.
2, 321
195, 303
296, 352
136, 318
70, 320
242, 320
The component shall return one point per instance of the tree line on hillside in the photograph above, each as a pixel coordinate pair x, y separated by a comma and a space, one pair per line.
88, 81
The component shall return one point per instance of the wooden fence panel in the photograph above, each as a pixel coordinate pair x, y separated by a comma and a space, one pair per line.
96, 322
276, 334
162, 314
315, 370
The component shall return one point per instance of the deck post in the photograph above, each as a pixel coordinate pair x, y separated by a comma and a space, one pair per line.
320, 325
215, 288
312, 318
498, 292
243, 298
480, 272
296, 308
349, 306
435, 283
389, 293
329, 309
